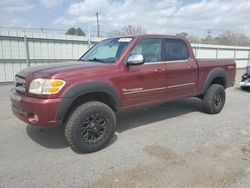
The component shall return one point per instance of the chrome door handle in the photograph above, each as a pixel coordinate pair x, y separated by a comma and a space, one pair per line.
158, 70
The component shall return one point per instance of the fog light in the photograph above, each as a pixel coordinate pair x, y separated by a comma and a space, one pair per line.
33, 118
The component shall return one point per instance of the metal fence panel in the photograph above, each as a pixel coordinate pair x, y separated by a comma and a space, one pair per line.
226, 53
19, 50
239, 53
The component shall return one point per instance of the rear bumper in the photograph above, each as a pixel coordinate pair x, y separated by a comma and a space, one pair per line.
35, 111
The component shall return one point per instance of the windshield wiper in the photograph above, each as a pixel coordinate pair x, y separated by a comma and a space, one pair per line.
97, 60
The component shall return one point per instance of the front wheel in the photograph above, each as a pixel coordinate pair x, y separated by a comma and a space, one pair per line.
90, 127
214, 99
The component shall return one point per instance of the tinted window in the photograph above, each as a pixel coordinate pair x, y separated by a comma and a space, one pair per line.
175, 49
149, 48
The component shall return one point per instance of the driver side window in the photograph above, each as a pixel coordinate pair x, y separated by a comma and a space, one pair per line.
149, 48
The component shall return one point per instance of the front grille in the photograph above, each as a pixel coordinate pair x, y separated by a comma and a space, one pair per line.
20, 84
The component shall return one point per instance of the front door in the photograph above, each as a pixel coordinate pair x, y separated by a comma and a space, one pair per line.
144, 84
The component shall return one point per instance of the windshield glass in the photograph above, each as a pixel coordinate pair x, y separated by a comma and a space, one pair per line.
107, 51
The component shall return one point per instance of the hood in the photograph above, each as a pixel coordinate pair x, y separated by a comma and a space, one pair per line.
58, 68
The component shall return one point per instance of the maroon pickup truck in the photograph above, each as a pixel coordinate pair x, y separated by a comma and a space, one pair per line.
116, 75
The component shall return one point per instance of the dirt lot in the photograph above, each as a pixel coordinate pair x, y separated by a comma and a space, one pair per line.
167, 145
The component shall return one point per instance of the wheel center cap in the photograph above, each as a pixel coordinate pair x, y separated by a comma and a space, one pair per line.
93, 127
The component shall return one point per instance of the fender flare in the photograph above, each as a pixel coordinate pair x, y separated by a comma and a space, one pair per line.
215, 73
82, 89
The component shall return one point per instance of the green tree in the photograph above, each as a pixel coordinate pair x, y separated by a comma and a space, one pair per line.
74, 31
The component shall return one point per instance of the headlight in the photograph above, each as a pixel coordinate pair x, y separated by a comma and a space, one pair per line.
46, 86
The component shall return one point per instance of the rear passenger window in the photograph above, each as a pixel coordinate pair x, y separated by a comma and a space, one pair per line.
174, 49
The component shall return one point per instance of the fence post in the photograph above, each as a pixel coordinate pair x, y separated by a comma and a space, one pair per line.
89, 42
89, 37
235, 50
248, 62
195, 51
26, 51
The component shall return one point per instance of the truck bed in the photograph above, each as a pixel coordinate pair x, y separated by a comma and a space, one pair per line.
208, 65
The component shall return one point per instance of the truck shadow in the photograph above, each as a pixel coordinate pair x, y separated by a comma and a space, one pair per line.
53, 137
49, 137
155, 113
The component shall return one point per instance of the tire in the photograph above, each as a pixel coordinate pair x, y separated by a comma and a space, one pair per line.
90, 127
245, 88
214, 99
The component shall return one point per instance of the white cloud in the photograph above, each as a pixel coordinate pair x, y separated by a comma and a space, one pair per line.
19, 8
17, 22
162, 16
50, 3
12, 12
16, 6
65, 21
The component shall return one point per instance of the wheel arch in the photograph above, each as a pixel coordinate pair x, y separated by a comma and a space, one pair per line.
215, 76
98, 91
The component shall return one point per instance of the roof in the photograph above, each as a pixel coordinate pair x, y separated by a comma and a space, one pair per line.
149, 36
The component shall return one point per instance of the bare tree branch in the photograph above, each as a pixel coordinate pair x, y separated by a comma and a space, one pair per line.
130, 30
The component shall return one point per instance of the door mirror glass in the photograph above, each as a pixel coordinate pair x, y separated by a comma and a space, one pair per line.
135, 59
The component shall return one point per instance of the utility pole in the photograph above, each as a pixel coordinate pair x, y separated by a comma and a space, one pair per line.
209, 31
97, 24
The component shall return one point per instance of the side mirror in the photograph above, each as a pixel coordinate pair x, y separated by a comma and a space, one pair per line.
136, 59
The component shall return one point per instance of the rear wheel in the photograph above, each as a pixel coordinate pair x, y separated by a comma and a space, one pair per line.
214, 99
90, 127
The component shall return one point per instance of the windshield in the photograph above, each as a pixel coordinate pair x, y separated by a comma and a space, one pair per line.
107, 51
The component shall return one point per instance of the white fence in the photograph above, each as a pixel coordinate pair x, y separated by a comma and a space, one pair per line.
19, 50
239, 53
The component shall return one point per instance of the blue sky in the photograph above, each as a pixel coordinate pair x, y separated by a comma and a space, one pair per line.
157, 16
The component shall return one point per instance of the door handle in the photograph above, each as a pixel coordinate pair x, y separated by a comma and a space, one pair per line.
158, 70
191, 67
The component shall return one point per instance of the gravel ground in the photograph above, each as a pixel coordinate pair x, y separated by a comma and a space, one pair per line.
167, 145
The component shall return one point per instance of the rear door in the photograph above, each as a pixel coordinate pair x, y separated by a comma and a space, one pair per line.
144, 84
181, 70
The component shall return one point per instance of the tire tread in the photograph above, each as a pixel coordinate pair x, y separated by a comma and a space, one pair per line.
71, 126
207, 101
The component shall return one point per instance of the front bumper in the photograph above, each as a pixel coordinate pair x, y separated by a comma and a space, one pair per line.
34, 111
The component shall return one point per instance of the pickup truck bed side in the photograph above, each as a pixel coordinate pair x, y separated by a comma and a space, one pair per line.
223, 74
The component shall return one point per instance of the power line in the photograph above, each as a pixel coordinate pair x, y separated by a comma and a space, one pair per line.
33, 28
54, 30
39, 29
